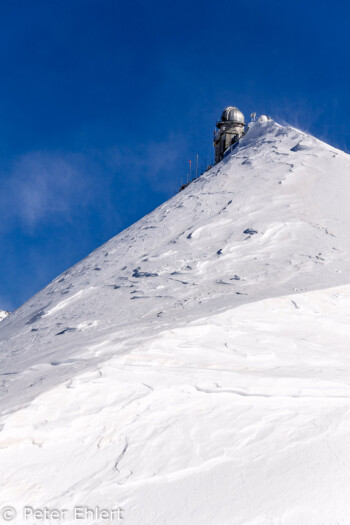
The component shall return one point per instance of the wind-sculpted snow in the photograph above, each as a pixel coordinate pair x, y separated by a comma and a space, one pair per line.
194, 369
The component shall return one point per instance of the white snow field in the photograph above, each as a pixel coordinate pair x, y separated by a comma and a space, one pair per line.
196, 368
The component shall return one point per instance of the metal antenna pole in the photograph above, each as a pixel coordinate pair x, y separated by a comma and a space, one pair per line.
196, 165
190, 171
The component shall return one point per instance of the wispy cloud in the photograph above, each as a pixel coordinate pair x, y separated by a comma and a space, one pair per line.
43, 186
158, 164
54, 187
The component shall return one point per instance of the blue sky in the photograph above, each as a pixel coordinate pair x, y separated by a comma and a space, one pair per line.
103, 102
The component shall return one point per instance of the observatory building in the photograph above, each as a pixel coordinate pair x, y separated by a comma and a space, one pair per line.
231, 128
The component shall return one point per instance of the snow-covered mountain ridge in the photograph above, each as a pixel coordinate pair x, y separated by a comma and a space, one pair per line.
3, 314
191, 257
199, 356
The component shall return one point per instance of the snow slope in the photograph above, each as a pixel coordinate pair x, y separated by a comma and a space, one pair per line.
195, 368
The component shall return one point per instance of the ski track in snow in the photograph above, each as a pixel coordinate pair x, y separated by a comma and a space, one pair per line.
195, 368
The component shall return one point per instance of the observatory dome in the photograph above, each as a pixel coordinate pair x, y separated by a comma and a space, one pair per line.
263, 118
232, 114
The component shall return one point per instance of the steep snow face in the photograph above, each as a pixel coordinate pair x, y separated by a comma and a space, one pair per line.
270, 220
194, 369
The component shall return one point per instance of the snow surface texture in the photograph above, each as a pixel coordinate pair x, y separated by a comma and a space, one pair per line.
195, 368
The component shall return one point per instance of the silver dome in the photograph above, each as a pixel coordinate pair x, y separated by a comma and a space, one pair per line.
263, 118
232, 114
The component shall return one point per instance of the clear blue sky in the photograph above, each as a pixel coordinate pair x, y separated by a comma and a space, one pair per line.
102, 103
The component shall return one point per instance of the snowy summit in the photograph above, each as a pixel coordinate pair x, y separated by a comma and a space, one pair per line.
195, 368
